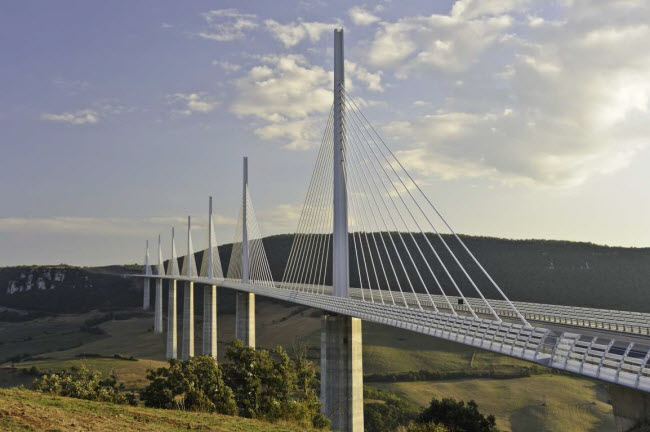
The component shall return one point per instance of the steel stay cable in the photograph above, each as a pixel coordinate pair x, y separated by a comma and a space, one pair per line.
397, 192
521, 317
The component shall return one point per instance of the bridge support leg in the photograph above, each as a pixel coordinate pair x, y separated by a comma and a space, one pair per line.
146, 294
188, 321
245, 318
171, 321
157, 317
631, 408
210, 320
342, 372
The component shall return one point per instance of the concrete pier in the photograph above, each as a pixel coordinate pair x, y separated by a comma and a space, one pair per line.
146, 300
245, 318
631, 408
172, 324
210, 320
188, 321
342, 372
157, 318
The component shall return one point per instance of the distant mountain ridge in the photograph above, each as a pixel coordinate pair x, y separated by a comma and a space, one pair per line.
543, 271
67, 289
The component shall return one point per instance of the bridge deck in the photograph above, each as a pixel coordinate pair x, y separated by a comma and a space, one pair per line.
603, 356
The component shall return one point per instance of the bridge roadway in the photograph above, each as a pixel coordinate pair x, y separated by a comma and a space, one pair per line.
634, 323
611, 356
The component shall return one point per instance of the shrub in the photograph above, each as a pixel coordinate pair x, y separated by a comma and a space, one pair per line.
388, 414
81, 383
272, 386
262, 384
196, 385
424, 427
458, 416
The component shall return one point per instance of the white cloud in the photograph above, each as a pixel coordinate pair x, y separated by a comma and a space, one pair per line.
435, 43
192, 103
86, 116
289, 96
227, 66
282, 218
362, 17
225, 25
372, 80
470, 9
549, 101
293, 33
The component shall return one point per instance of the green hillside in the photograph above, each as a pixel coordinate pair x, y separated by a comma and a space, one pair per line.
541, 271
26, 410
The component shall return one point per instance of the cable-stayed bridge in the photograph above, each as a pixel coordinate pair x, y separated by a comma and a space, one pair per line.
371, 246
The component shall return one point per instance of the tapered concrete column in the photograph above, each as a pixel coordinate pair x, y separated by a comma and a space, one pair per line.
188, 321
157, 318
631, 408
172, 324
146, 294
245, 318
146, 291
342, 372
210, 320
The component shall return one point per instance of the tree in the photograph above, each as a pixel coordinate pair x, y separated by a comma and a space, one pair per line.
457, 416
272, 386
196, 384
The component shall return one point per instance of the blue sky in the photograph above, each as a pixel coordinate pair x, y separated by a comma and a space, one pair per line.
520, 119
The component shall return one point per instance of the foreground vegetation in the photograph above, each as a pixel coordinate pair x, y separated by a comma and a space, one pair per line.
26, 410
254, 383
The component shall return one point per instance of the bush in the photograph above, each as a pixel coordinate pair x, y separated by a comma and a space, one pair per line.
457, 416
424, 427
388, 414
195, 385
272, 386
81, 383
260, 384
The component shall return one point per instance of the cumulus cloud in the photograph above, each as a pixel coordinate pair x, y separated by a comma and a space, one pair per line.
289, 96
441, 43
372, 80
548, 101
86, 116
293, 33
361, 16
190, 103
225, 25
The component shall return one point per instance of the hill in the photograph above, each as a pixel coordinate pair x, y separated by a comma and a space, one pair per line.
67, 289
26, 410
542, 271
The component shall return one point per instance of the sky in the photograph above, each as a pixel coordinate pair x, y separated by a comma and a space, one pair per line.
519, 119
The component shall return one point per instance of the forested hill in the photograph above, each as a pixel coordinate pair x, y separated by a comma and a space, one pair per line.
67, 289
542, 271
556, 272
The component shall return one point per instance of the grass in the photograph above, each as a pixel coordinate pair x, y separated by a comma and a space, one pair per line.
44, 335
25, 410
539, 403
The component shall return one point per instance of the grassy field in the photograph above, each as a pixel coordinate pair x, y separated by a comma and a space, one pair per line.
44, 335
25, 410
537, 403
